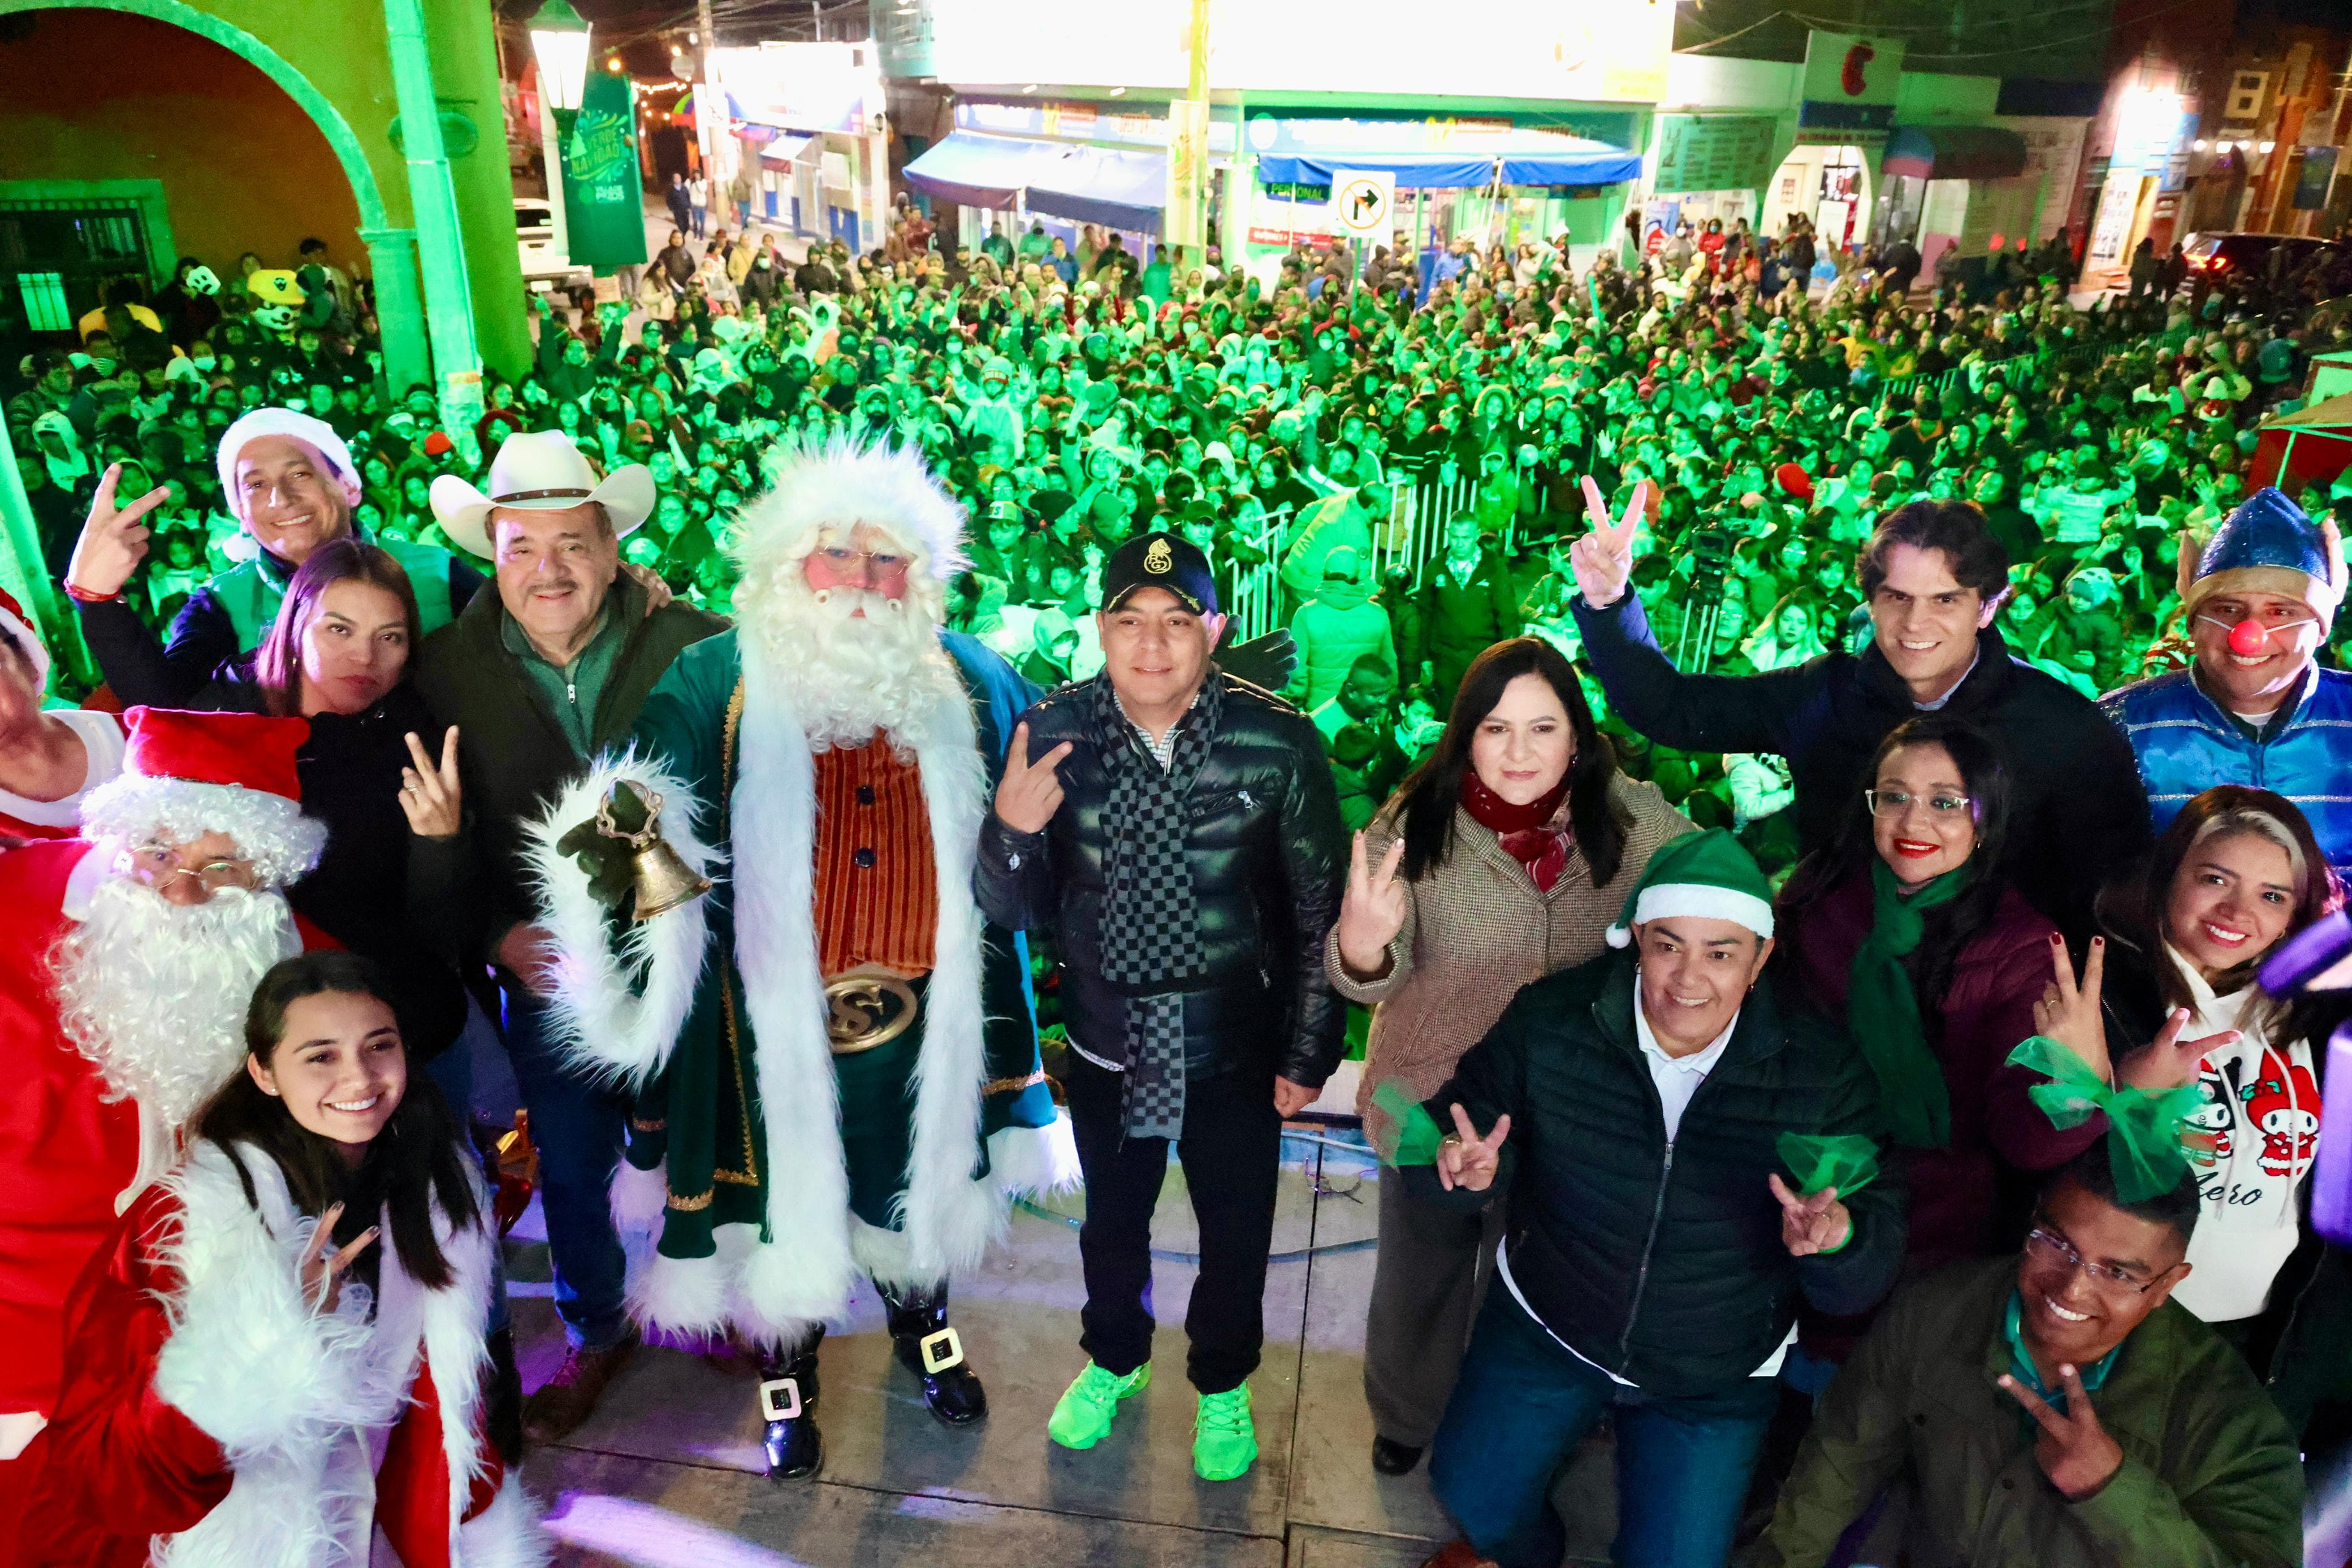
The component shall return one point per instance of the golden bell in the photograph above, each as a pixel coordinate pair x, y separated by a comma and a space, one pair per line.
662, 881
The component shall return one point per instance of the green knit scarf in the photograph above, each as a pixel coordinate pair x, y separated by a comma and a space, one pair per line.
1882, 1014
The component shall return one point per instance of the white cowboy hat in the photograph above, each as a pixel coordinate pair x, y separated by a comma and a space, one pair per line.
539, 470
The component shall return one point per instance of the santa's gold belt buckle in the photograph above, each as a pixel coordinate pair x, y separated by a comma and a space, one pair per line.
867, 1006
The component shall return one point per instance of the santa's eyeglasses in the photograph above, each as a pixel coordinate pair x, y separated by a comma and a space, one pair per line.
158, 865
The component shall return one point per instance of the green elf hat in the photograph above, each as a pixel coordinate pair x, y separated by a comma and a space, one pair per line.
1709, 875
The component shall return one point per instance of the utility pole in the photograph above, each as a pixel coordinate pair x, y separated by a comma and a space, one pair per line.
710, 104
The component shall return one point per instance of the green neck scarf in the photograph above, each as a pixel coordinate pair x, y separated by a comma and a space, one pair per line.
1882, 1014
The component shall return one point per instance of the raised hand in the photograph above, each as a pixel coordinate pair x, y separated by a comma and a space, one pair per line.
2169, 1060
1372, 913
1602, 559
322, 1274
2073, 1450
430, 794
1467, 1160
1811, 1225
1030, 792
2068, 1012
113, 540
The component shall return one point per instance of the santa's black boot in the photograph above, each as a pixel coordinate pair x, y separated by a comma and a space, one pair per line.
934, 1353
788, 1403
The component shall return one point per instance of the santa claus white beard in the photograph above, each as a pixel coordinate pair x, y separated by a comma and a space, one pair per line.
848, 674
155, 993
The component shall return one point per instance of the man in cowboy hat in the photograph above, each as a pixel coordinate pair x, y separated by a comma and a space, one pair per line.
293, 483
538, 677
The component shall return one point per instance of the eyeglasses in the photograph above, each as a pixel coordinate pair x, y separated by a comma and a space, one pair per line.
158, 865
1894, 802
846, 560
2054, 1248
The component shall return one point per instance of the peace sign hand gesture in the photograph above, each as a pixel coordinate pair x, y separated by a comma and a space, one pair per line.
1030, 792
2169, 1060
1811, 1225
1372, 911
322, 1275
430, 794
113, 540
2068, 1012
2074, 1451
1467, 1160
1604, 558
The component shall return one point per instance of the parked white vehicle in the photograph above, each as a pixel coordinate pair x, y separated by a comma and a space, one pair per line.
543, 260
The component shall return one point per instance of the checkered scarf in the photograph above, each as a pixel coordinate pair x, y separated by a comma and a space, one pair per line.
1150, 924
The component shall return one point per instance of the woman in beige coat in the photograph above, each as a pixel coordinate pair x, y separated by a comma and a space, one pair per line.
1503, 858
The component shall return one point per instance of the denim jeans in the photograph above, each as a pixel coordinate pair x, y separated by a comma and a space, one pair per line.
1522, 1405
576, 1126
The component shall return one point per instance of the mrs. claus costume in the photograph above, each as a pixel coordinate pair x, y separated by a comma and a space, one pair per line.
75, 1149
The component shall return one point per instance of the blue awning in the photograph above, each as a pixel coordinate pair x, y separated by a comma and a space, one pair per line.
1526, 158
973, 171
1119, 189
1594, 165
1413, 171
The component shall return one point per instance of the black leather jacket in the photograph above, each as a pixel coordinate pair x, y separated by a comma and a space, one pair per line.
1269, 860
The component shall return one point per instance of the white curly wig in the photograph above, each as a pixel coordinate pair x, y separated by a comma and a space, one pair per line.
840, 483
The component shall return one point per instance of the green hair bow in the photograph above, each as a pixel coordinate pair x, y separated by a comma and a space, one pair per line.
1847, 1161
2143, 1125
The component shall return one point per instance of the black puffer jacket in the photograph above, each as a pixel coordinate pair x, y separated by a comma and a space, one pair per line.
1665, 1265
1269, 860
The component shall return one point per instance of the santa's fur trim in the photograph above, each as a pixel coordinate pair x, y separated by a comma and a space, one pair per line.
286, 1391
1035, 1162
270, 830
639, 1198
506, 1534
605, 1025
842, 481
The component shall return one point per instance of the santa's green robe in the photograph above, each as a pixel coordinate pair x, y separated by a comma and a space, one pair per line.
743, 1203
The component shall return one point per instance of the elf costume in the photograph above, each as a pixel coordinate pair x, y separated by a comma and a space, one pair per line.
833, 1057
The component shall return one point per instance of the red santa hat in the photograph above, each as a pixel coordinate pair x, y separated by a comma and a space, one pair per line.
18, 625
1794, 480
189, 774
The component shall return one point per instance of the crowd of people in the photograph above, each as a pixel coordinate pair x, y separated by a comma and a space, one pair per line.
1786, 788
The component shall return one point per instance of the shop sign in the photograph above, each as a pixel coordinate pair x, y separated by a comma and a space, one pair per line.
1714, 152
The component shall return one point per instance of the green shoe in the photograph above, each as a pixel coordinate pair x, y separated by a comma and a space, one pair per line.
1082, 1414
1224, 1444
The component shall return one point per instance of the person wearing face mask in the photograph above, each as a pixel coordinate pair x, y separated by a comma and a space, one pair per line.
2236, 874
2255, 708
1497, 862
293, 483
279, 1356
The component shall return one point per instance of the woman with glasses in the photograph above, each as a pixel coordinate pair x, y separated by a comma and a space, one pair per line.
2234, 877
1907, 926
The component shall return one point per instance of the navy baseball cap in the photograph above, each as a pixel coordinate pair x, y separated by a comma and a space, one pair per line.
1161, 559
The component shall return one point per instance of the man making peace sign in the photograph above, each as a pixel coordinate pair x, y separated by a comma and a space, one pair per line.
2054, 1410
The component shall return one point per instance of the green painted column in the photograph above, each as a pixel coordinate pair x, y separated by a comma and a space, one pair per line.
440, 243
465, 75
399, 308
25, 575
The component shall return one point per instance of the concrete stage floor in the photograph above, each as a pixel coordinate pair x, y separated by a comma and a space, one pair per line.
669, 1473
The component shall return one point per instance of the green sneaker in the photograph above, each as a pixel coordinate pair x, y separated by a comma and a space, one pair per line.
1224, 1444
1082, 1414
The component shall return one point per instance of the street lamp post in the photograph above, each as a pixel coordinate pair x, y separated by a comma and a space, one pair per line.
559, 41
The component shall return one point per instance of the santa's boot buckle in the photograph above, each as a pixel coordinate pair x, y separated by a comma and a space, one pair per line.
790, 1387
941, 1350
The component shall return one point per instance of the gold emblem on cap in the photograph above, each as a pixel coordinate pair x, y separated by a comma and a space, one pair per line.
1159, 557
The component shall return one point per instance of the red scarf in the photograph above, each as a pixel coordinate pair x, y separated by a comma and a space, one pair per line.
1536, 834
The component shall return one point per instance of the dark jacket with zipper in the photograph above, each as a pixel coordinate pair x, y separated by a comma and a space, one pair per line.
1269, 860
2078, 812
512, 753
1663, 1262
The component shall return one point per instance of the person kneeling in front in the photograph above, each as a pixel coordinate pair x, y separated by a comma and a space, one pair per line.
2056, 1409
1635, 1110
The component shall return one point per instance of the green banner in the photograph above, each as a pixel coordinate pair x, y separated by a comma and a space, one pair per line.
604, 200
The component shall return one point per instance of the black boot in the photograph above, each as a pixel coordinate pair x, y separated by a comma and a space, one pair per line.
934, 1353
788, 1403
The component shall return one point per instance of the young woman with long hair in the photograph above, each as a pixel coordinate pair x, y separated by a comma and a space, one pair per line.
281, 1352
1501, 859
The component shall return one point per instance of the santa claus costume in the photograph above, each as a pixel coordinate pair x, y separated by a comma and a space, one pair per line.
834, 1055
219, 1414
120, 1013
100, 734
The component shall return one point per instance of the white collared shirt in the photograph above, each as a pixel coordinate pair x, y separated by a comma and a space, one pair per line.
1937, 704
1678, 1077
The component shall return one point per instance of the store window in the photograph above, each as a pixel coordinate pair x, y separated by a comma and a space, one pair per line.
57, 257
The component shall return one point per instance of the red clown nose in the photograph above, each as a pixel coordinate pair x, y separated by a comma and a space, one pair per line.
2248, 638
